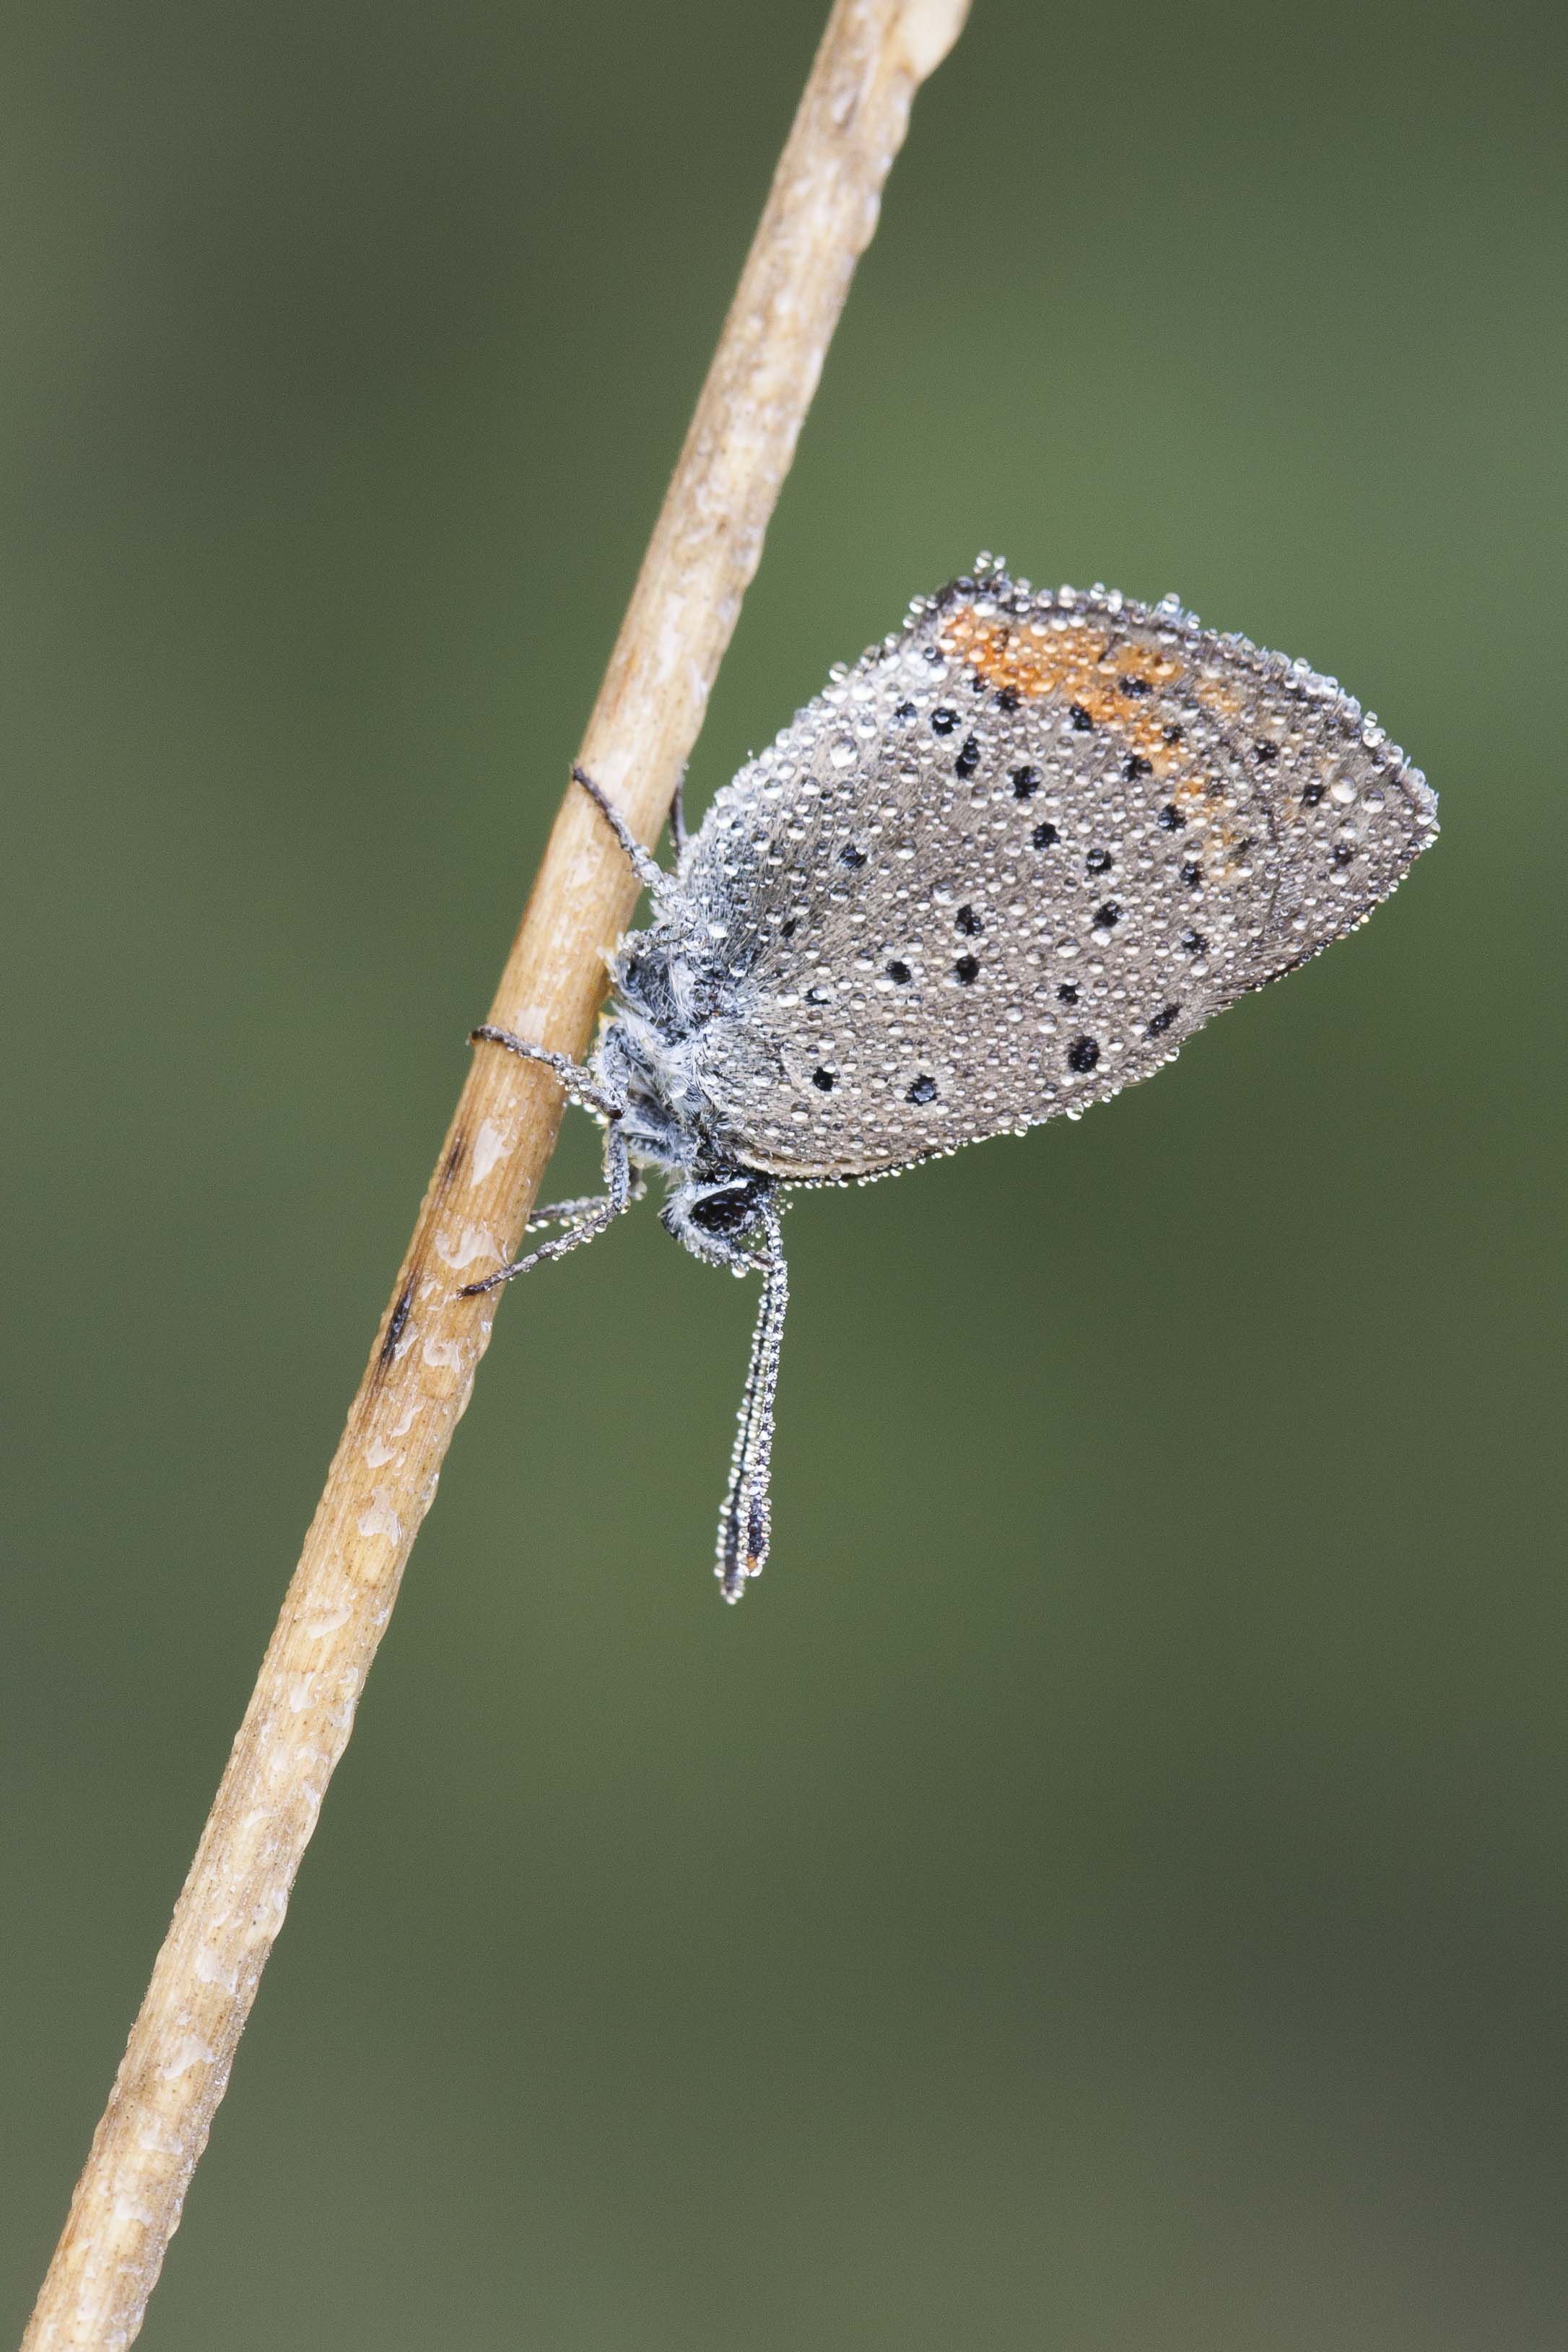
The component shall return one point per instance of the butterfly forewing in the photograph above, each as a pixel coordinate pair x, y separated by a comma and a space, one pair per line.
1008, 862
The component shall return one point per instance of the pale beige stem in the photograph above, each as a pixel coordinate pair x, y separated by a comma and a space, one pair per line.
820, 215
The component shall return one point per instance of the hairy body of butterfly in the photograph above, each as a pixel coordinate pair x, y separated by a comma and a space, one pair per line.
998, 870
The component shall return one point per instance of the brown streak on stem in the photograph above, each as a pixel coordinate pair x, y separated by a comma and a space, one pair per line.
819, 217
387, 1352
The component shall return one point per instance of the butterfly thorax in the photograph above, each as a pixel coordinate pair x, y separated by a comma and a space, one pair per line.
650, 1054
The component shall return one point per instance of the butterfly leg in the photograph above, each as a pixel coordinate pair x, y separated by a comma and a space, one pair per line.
643, 864
745, 1523
570, 1212
588, 1222
581, 1085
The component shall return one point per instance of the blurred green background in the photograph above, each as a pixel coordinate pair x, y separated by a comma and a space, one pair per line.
1105, 1891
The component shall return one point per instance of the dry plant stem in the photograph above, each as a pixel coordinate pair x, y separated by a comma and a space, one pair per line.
820, 215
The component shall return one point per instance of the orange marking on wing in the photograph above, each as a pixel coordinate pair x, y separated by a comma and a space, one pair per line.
1079, 665
1086, 667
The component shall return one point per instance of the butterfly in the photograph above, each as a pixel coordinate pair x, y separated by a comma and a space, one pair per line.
997, 870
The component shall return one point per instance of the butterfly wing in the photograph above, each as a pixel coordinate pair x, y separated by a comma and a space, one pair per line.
1007, 863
